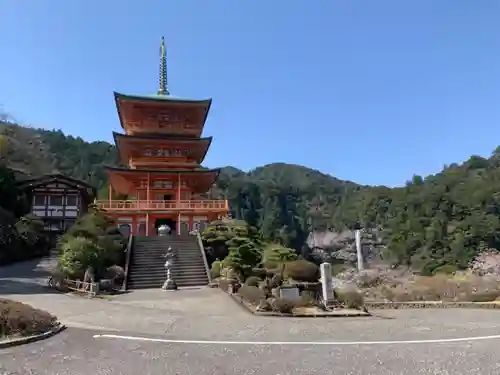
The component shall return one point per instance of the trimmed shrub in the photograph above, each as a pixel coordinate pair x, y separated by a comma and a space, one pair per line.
350, 298
485, 296
251, 294
228, 273
447, 269
19, 319
244, 255
306, 300
117, 274
274, 255
259, 272
252, 281
301, 270
276, 281
283, 305
215, 269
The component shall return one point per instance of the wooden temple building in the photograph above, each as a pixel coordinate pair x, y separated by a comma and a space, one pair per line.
163, 147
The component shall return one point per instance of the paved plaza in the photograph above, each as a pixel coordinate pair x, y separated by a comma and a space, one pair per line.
201, 331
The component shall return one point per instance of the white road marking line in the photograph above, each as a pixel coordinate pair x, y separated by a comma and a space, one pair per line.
304, 343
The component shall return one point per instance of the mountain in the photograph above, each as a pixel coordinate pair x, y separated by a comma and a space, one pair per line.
444, 219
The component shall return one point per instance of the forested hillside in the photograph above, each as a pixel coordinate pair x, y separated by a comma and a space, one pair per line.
442, 219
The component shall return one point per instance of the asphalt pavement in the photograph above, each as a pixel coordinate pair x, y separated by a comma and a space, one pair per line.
76, 351
202, 331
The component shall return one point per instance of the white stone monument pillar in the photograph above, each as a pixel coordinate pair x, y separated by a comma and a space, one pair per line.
326, 283
359, 249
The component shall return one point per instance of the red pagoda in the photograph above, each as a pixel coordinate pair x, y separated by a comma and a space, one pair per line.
163, 148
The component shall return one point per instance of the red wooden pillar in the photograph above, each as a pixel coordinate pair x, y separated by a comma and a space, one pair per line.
148, 197
178, 188
190, 224
110, 193
133, 230
151, 224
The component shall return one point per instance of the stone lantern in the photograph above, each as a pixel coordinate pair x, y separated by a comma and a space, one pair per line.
169, 283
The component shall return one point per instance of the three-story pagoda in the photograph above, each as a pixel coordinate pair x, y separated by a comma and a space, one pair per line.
163, 148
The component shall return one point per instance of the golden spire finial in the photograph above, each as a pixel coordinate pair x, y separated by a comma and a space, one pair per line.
163, 69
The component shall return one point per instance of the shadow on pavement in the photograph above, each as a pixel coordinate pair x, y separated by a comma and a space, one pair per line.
29, 277
29, 269
9, 287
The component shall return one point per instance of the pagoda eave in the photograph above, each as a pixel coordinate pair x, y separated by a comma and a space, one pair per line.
160, 137
125, 144
160, 102
138, 172
162, 99
122, 178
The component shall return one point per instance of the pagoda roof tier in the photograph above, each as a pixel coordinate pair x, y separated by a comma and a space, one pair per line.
162, 114
130, 146
122, 179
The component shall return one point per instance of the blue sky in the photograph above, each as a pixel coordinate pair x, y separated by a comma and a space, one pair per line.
370, 91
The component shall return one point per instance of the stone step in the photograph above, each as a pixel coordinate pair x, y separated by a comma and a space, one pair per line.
162, 256
173, 246
194, 257
163, 253
163, 275
149, 250
164, 249
157, 271
157, 248
164, 242
149, 266
146, 269
185, 265
166, 239
160, 280
187, 257
176, 276
159, 285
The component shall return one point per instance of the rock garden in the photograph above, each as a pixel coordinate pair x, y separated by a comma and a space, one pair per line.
268, 278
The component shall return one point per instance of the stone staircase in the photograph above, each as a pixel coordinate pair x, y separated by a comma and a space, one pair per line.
147, 264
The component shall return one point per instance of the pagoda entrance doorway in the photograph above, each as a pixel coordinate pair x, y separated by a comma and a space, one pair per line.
166, 221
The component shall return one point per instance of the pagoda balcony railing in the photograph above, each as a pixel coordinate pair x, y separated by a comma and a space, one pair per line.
155, 205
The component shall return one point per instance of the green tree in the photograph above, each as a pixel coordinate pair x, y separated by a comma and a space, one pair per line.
79, 253
275, 254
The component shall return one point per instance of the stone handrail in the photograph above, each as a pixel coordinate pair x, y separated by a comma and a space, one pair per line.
128, 254
204, 256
